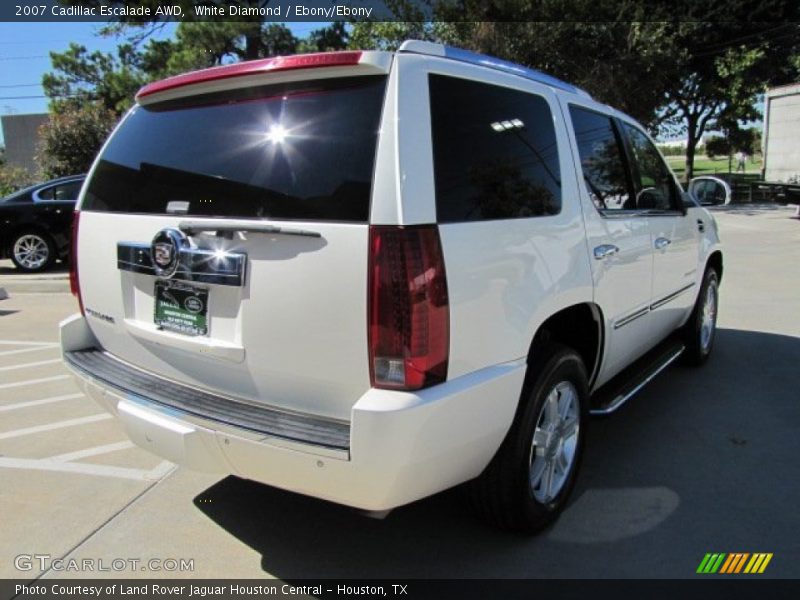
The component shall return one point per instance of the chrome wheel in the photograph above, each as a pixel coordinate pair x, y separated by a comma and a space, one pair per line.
555, 442
708, 317
31, 252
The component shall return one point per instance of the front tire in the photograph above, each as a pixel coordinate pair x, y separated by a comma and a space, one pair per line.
701, 328
32, 251
528, 482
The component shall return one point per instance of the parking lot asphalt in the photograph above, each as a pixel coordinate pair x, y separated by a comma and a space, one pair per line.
53, 281
703, 460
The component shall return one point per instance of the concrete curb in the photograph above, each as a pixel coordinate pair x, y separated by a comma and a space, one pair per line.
33, 286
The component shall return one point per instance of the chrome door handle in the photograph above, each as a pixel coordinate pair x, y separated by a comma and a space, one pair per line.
604, 251
661, 243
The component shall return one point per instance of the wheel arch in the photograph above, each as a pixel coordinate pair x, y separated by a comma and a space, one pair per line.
579, 326
715, 261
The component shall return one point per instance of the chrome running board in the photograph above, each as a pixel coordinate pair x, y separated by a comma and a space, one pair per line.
611, 397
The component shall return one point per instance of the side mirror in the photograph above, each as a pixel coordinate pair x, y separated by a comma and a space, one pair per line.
708, 191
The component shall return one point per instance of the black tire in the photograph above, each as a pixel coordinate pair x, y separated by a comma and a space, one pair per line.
504, 494
699, 344
32, 251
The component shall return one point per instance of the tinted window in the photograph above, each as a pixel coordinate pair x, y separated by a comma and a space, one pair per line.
602, 160
294, 151
494, 152
47, 193
68, 191
653, 182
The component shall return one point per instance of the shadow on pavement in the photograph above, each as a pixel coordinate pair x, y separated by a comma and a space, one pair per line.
8, 268
702, 460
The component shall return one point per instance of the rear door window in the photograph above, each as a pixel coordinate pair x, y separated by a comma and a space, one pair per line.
298, 151
602, 160
494, 152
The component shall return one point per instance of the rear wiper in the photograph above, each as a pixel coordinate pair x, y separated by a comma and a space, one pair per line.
230, 227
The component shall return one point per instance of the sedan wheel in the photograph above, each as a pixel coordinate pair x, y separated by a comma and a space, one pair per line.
32, 252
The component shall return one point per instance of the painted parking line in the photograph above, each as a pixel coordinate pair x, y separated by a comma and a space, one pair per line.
30, 403
38, 363
23, 350
96, 451
5, 386
154, 474
51, 426
21, 343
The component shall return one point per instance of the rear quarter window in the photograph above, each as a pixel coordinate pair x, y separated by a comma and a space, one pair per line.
494, 152
299, 151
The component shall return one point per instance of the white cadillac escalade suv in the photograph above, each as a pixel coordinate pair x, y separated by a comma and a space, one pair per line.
371, 276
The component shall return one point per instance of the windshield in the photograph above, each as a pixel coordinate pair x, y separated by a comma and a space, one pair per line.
301, 151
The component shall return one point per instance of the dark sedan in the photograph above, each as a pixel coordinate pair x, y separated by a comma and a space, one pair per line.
35, 223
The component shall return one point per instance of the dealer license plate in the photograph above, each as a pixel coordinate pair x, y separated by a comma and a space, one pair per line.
181, 308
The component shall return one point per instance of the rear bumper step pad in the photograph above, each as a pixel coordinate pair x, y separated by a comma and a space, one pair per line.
101, 367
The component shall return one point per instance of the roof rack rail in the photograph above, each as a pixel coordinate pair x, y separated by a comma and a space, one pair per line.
432, 49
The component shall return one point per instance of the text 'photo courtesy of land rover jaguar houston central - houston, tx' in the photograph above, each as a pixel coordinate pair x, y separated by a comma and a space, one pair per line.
372, 276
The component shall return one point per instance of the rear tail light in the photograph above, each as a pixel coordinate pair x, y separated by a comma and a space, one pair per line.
409, 312
74, 283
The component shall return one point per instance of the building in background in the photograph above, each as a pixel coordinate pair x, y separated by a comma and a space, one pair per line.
781, 136
21, 137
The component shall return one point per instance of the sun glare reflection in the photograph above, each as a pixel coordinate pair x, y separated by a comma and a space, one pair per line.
277, 134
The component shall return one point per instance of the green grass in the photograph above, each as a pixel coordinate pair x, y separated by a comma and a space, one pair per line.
706, 166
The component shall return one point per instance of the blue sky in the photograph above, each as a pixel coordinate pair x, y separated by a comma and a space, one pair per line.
25, 56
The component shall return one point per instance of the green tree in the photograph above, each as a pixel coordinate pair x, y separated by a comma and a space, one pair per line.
13, 178
203, 44
253, 37
326, 39
717, 145
79, 76
71, 138
680, 68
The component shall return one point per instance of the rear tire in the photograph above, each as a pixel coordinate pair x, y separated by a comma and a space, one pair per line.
700, 330
528, 482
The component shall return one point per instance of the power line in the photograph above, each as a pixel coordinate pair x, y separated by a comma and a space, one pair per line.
22, 57
42, 96
16, 85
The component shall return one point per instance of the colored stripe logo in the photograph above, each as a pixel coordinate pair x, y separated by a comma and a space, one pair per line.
734, 563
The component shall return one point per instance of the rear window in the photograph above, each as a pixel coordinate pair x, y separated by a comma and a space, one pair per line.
299, 151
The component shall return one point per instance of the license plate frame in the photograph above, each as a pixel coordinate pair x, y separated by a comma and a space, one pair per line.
180, 308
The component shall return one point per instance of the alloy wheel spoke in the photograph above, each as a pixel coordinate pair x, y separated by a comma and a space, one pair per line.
550, 477
540, 440
538, 472
570, 428
552, 416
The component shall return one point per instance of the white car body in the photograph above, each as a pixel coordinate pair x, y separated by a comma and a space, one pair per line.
294, 337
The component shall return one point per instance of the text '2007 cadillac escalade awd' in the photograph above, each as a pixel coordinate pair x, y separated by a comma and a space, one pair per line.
371, 276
